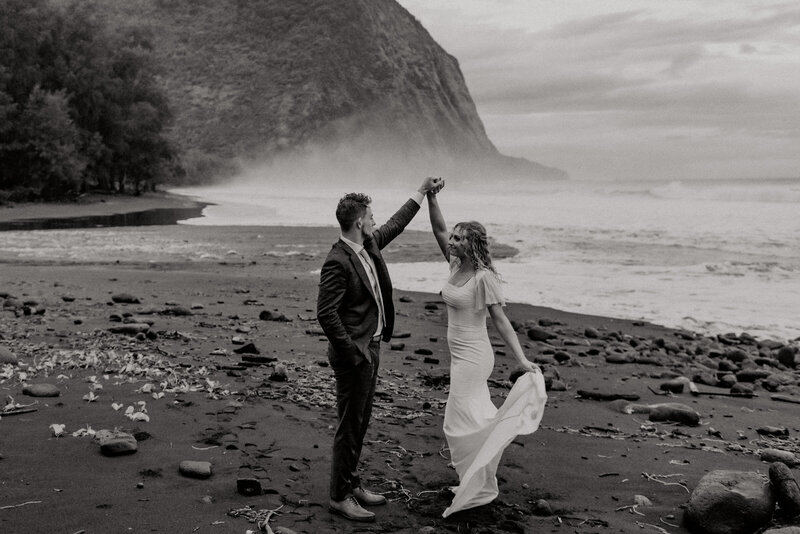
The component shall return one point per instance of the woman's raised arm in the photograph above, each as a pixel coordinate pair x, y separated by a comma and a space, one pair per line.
438, 225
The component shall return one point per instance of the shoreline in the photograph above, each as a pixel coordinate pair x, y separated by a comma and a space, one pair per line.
92, 205
223, 311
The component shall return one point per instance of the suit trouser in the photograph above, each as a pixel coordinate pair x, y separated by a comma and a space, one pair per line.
355, 389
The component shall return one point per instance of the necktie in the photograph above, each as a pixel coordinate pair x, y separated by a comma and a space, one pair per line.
376, 290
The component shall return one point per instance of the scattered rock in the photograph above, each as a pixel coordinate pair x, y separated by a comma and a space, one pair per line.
776, 455
730, 502
41, 390
542, 508
116, 443
773, 431
195, 469
6, 356
250, 348
279, 374
787, 491
177, 311
673, 386
786, 356
267, 315
125, 298
539, 334
130, 329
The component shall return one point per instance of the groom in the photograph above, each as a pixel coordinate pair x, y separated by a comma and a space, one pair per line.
356, 312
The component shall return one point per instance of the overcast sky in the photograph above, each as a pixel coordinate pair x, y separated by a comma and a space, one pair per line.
604, 89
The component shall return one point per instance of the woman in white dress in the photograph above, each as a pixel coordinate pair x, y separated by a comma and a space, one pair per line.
477, 432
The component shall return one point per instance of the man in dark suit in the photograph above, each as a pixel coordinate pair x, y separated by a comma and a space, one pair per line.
356, 312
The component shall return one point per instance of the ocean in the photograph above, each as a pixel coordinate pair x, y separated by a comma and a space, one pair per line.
709, 256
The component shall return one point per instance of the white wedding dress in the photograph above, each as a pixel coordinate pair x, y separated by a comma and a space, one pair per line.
477, 432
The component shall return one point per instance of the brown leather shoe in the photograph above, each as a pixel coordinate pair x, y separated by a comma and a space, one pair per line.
350, 509
367, 498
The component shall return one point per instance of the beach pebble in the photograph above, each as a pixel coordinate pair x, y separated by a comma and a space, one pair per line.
250, 348
280, 374
730, 502
740, 389
176, 311
787, 491
591, 333
561, 356
125, 298
542, 508
247, 484
41, 390
616, 357
130, 329
751, 375
786, 355
118, 444
267, 315
539, 334
397, 346
673, 386
6, 356
729, 381
195, 469
776, 455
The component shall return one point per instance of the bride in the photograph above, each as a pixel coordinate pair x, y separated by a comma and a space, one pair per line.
477, 432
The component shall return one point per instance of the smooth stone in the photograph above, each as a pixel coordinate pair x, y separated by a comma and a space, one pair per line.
195, 469
777, 455
41, 390
786, 356
786, 489
539, 334
730, 502
119, 444
783, 530
751, 375
177, 311
6, 356
673, 386
742, 389
280, 374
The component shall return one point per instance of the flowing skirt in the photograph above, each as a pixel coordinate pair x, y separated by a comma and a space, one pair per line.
477, 433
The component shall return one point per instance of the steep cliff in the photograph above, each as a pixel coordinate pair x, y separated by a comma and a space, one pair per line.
253, 79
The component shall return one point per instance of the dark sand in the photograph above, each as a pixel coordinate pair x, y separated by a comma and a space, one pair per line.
587, 461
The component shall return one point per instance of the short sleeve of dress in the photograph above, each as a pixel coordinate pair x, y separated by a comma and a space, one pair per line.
488, 290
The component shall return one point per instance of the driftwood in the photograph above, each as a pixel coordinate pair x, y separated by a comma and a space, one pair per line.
17, 411
597, 395
785, 398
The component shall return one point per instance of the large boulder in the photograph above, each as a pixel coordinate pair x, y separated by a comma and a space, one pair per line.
787, 491
730, 502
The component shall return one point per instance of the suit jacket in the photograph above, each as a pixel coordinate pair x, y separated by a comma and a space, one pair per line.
346, 308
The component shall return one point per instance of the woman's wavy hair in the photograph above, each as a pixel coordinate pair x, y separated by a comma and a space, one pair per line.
477, 244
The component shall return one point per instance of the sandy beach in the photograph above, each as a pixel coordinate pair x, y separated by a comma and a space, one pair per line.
221, 361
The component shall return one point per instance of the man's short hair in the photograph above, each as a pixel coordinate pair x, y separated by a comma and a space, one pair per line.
351, 207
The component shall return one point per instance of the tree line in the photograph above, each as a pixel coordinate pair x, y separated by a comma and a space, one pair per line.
80, 106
